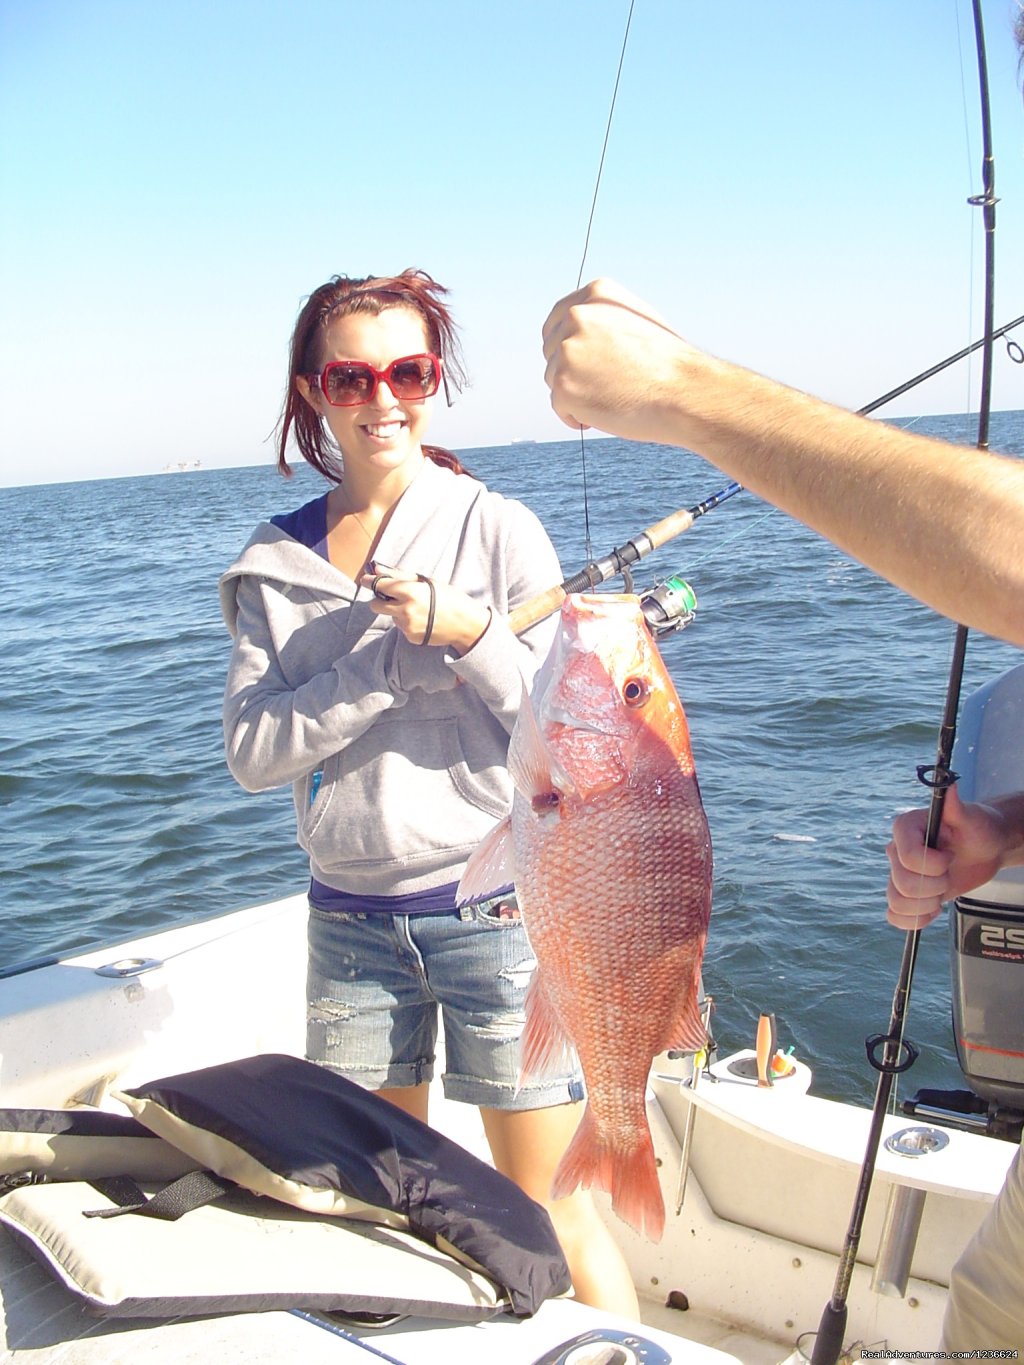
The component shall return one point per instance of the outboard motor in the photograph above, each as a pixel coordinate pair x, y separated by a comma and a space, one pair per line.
988, 924
987, 932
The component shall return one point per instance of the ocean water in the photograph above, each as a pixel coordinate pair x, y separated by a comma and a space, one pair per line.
813, 691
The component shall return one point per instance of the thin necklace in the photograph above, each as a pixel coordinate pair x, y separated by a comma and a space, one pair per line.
368, 534
362, 525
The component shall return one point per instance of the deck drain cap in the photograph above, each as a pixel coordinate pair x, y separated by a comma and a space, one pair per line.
917, 1141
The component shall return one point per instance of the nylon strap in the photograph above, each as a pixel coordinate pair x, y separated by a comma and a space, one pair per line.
190, 1191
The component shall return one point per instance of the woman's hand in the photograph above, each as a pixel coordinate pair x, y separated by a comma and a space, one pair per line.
427, 613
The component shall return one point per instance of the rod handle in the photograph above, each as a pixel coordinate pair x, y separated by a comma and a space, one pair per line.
828, 1344
669, 527
544, 604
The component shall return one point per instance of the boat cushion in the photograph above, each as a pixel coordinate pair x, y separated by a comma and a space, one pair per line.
242, 1254
84, 1144
284, 1127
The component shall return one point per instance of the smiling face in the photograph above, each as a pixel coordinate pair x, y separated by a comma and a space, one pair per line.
381, 437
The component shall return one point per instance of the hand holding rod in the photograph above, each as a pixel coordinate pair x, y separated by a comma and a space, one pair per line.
548, 602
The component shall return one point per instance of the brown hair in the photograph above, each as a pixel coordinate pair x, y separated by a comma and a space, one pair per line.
339, 297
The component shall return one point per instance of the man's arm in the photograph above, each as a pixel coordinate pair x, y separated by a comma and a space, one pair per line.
943, 522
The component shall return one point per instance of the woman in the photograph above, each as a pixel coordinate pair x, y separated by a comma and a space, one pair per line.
386, 697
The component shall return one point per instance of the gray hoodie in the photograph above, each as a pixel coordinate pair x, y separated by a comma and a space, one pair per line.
396, 752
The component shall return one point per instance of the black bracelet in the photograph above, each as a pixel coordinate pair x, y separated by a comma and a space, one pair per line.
430, 609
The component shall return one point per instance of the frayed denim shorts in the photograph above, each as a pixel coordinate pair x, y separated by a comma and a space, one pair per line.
374, 985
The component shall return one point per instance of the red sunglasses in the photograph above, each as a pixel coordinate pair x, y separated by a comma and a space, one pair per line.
347, 383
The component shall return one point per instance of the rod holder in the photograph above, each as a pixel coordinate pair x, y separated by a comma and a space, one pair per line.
903, 1214
898, 1240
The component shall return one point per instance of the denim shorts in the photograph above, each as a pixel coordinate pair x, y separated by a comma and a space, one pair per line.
373, 988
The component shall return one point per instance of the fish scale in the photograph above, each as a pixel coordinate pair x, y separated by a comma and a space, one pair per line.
609, 849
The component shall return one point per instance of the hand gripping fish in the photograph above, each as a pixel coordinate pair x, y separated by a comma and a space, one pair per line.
608, 846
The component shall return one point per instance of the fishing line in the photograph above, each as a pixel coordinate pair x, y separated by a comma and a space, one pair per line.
738, 534
604, 148
586, 248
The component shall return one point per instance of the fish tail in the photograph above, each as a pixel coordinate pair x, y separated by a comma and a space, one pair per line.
624, 1166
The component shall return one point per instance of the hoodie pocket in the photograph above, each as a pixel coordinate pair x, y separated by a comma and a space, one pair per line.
406, 791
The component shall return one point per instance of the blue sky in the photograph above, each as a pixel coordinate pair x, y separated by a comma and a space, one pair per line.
787, 181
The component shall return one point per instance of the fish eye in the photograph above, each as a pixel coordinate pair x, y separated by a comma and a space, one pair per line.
635, 691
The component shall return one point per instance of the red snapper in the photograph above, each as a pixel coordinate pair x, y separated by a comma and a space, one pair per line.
608, 846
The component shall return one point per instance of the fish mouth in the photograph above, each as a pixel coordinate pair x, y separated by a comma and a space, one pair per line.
575, 662
600, 624
587, 616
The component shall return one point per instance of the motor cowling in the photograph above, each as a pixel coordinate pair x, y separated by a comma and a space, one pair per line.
987, 926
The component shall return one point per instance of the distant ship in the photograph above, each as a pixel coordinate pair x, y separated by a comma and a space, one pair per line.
181, 467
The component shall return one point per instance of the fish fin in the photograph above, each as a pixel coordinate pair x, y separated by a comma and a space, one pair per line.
533, 768
625, 1168
546, 1049
688, 1033
489, 869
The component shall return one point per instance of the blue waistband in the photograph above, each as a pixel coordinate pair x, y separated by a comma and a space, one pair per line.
436, 900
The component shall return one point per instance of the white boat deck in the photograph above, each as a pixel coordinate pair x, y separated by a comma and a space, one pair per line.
837, 1134
753, 1249
41, 1323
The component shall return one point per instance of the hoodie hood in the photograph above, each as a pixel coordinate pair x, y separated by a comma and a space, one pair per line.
416, 538
272, 553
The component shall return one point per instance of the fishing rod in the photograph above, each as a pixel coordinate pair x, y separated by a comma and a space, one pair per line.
890, 1053
1013, 348
668, 603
